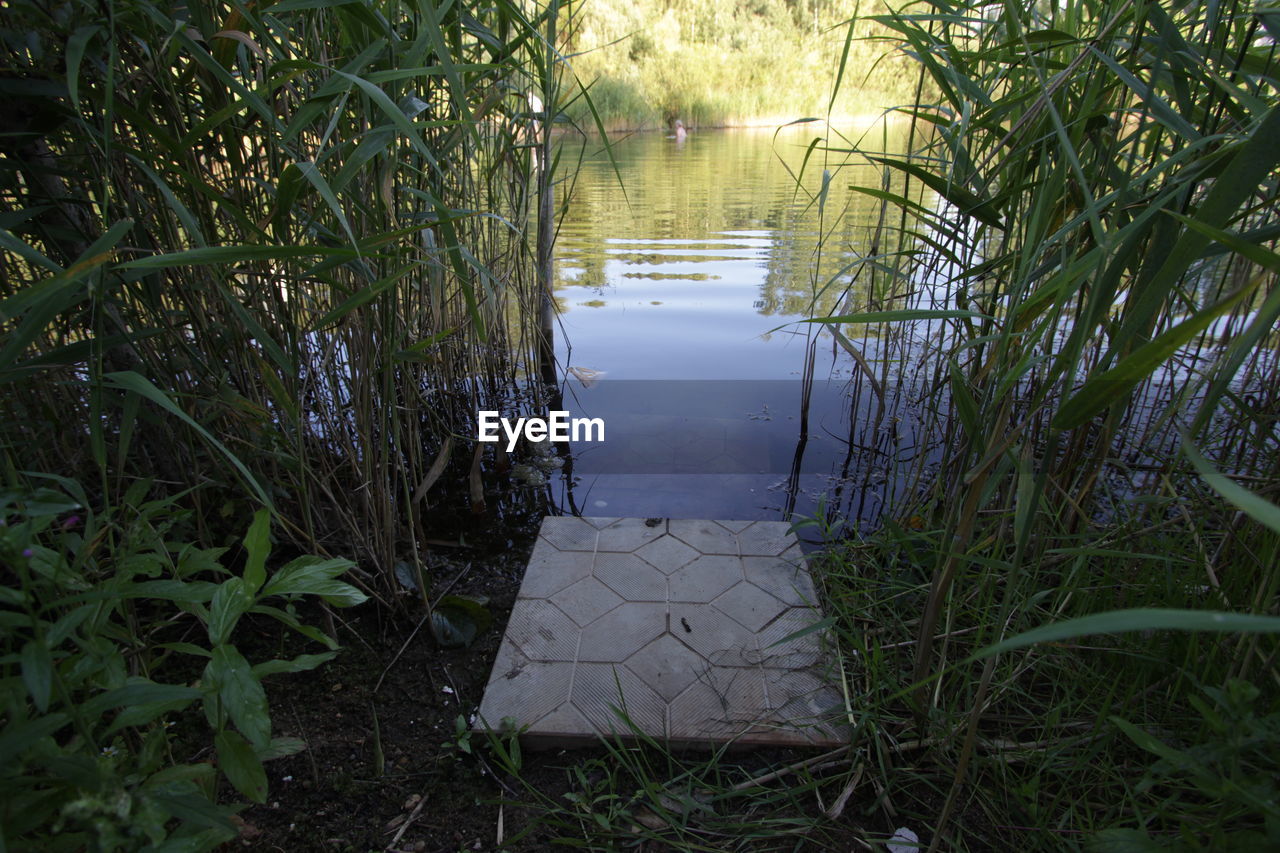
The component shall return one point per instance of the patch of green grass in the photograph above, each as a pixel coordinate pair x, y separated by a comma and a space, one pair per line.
1057, 756
635, 790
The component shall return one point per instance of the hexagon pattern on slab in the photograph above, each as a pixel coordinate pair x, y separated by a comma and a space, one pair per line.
626, 534
749, 606
705, 578
786, 580
622, 632
587, 600
681, 625
631, 577
708, 537
666, 553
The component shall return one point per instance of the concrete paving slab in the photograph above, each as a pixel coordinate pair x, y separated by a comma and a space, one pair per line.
681, 629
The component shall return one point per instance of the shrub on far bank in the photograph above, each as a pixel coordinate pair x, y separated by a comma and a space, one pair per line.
717, 65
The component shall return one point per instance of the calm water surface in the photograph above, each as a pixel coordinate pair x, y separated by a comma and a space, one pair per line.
680, 281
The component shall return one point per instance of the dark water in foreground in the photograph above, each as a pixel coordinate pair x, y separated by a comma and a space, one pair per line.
680, 290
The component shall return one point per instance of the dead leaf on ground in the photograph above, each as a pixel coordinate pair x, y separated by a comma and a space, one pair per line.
648, 819
246, 829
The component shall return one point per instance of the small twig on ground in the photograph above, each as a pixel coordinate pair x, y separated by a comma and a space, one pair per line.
421, 622
883, 797
912, 745
936, 637
413, 634
487, 769
872, 632
408, 822
452, 684
450, 585
825, 760
354, 632
1012, 751
790, 768
837, 808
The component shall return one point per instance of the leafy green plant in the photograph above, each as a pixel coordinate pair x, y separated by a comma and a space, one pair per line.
462, 736
105, 619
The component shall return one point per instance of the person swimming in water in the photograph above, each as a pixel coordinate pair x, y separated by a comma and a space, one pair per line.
681, 133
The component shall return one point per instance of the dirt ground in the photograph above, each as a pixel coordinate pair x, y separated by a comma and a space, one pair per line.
393, 687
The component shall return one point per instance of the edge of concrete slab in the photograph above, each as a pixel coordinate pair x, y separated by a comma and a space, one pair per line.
784, 705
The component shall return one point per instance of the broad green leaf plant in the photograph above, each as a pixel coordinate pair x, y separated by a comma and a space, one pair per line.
105, 619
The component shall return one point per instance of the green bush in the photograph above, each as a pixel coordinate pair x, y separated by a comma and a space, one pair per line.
715, 64
105, 618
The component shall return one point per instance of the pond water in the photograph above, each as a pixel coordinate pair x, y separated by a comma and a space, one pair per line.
683, 270
684, 274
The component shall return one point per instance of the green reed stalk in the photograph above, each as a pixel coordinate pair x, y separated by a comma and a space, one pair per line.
302, 228
1090, 226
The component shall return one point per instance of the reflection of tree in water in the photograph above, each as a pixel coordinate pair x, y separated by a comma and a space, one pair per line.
722, 190
794, 285
663, 276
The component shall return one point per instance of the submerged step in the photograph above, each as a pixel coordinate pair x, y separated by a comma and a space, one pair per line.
679, 629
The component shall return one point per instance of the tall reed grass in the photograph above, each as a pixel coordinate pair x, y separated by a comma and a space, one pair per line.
1085, 248
279, 251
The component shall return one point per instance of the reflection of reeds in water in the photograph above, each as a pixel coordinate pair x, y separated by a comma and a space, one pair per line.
1077, 278
1042, 300
306, 229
